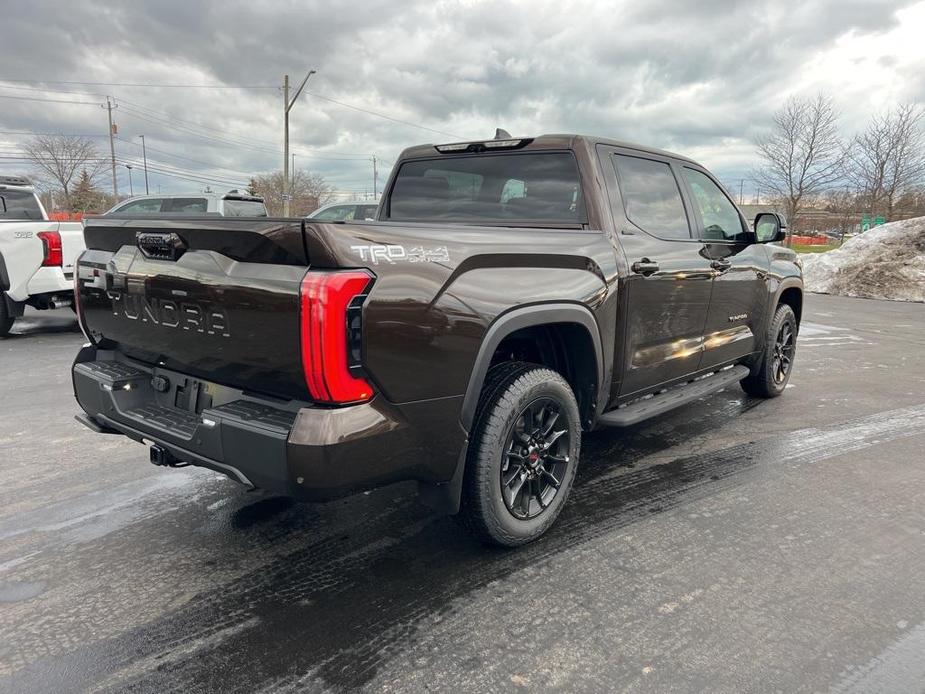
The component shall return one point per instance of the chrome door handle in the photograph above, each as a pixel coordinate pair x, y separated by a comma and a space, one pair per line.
645, 267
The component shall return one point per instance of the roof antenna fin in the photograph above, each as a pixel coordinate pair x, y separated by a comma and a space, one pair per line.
502, 134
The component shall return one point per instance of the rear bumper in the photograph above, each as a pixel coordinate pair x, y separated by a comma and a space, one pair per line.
286, 447
49, 280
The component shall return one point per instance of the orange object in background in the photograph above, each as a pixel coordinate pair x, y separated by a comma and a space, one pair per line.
808, 240
66, 216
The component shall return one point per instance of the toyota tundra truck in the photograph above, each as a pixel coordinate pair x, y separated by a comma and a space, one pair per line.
37, 255
511, 295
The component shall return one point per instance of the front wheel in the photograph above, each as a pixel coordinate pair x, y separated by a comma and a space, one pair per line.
770, 374
523, 455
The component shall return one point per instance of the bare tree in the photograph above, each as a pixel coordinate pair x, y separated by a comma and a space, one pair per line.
60, 159
803, 153
309, 191
889, 157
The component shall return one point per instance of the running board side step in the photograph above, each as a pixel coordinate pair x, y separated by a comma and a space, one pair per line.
660, 403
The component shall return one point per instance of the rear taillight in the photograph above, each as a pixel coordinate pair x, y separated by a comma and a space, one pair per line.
51, 240
331, 335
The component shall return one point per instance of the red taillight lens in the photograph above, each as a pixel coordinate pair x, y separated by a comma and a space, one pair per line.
52, 242
329, 342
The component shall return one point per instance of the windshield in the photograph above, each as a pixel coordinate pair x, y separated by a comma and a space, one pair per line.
500, 188
19, 204
244, 208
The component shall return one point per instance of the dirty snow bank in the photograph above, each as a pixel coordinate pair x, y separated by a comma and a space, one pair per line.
887, 262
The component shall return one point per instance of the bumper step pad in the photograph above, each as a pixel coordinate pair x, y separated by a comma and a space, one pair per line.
243, 438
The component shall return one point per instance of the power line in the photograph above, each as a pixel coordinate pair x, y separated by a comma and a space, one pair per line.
381, 115
233, 86
46, 89
53, 101
146, 84
178, 156
172, 120
135, 113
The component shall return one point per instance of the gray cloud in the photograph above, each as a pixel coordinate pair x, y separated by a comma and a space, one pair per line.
700, 78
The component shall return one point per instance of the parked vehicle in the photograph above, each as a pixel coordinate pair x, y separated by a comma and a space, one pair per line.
345, 212
231, 204
514, 294
37, 256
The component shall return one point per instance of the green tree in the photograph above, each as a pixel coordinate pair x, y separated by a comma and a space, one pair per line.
85, 197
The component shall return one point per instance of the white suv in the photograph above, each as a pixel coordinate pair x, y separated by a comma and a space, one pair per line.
230, 204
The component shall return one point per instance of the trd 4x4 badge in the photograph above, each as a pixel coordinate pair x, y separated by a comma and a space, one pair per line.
393, 253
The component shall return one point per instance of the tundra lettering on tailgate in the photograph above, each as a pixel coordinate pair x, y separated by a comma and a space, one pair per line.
170, 314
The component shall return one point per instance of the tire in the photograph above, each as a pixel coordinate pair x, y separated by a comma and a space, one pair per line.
770, 374
6, 320
518, 476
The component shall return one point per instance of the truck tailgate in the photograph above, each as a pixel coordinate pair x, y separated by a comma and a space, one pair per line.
213, 298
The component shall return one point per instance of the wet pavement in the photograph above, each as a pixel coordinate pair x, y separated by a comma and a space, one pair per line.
734, 545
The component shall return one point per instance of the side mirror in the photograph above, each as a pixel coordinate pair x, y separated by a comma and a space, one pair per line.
769, 227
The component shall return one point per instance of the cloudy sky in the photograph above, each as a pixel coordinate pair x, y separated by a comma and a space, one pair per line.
700, 78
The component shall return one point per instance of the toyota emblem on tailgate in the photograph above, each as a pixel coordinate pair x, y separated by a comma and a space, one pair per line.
160, 245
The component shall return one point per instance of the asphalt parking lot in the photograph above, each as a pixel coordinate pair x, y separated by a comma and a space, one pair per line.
734, 545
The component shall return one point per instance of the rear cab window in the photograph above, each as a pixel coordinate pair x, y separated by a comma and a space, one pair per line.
186, 205
19, 204
338, 213
651, 197
496, 189
234, 207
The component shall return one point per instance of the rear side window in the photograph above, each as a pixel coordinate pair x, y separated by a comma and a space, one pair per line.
519, 188
244, 208
19, 204
366, 212
145, 206
721, 220
651, 197
186, 205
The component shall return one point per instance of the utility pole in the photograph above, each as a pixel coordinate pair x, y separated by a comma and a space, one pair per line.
131, 188
741, 189
287, 107
375, 179
112, 146
144, 155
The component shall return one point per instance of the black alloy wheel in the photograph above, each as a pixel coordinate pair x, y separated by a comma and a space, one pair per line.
784, 348
536, 458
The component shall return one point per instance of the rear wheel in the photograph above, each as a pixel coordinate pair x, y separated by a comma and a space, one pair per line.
523, 455
6, 320
769, 376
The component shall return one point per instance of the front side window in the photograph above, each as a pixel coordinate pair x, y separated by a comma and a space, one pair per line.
721, 220
651, 197
520, 188
144, 206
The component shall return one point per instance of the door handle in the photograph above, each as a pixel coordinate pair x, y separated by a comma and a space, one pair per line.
645, 267
721, 264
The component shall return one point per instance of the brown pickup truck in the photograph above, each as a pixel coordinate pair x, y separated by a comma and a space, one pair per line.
512, 294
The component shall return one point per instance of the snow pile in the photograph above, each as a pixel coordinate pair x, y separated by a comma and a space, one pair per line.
887, 262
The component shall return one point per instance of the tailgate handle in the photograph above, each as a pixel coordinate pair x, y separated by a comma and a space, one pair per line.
160, 245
